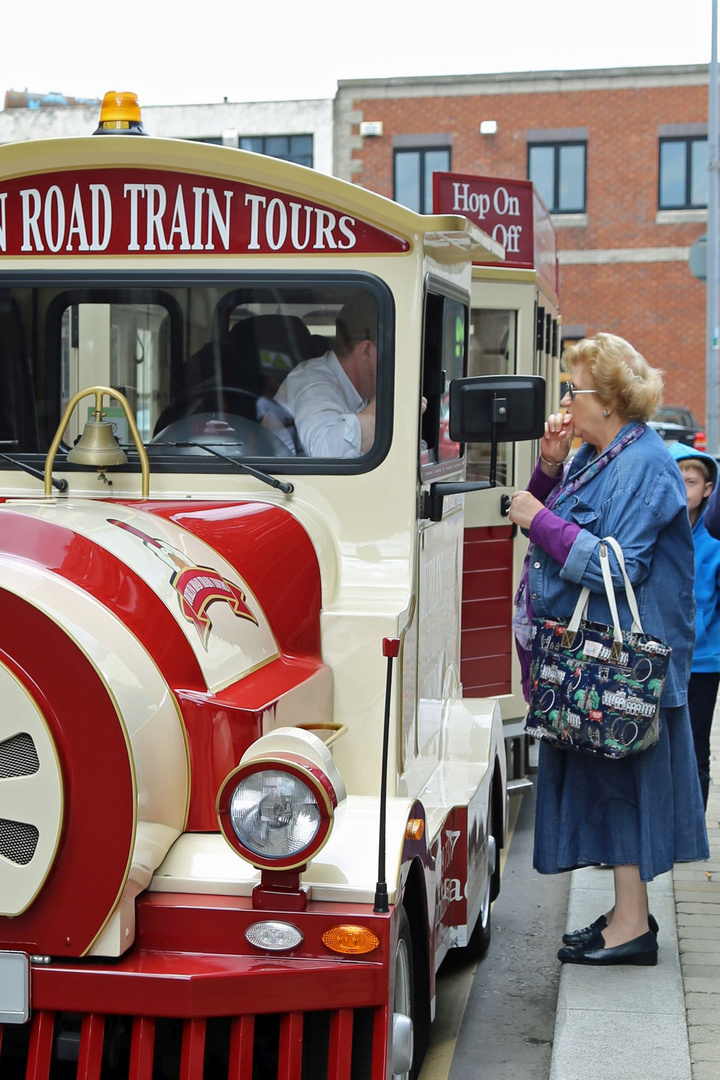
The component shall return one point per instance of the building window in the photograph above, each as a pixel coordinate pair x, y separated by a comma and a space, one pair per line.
412, 181
683, 174
297, 148
558, 172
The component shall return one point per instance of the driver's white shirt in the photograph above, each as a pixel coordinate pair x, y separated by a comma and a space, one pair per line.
322, 399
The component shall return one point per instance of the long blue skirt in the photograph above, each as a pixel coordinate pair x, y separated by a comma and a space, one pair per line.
645, 810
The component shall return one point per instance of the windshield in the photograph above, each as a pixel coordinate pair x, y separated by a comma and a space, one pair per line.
265, 369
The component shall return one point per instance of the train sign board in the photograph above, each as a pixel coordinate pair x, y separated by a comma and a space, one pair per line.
512, 213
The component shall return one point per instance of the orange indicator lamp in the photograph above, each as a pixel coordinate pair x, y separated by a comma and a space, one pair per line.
350, 940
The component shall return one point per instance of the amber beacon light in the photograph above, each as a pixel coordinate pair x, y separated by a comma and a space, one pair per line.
120, 114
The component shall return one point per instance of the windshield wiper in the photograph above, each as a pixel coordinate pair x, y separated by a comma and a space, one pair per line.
61, 485
287, 489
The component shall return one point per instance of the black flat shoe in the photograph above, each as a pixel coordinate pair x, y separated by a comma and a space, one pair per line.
579, 937
641, 951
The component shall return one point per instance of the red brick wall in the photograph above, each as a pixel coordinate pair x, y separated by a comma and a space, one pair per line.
658, 305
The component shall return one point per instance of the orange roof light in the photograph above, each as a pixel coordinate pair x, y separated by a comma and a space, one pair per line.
120, 114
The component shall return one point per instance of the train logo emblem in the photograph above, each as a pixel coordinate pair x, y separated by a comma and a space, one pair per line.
197, 587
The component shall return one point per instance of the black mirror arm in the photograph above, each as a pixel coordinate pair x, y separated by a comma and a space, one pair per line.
433, 506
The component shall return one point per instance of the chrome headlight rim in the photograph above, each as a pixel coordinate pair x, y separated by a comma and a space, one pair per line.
306, 771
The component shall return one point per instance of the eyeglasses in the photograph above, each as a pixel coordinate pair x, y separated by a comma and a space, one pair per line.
573, 391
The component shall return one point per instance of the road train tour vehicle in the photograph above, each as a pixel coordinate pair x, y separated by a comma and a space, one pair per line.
246, 808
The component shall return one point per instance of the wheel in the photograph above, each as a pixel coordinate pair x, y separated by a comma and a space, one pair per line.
479, 940
403, 1004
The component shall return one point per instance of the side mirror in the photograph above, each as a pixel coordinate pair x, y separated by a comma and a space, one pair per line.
497, 408
494, 409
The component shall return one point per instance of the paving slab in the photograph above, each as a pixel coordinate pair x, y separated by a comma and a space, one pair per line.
622, 1021
660, 1023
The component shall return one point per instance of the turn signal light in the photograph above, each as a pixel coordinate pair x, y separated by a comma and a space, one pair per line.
415, 829
350, 940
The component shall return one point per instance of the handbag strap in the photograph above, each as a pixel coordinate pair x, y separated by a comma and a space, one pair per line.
581, 607
636, 627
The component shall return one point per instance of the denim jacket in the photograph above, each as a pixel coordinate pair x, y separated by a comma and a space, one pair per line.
640, 499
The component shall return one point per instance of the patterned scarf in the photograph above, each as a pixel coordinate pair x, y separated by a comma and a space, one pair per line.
522, 619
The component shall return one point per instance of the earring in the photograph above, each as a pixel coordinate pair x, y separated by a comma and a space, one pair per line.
606, 412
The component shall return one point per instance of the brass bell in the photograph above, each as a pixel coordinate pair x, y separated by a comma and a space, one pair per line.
97, 445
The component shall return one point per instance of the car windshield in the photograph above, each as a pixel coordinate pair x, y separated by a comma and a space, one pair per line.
200, 363
681, 417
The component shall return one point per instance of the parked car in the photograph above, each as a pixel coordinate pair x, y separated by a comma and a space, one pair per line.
674, 423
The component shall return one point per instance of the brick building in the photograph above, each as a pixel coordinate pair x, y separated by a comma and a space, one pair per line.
620, 158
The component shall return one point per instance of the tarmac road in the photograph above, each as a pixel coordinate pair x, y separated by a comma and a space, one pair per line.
496, 1018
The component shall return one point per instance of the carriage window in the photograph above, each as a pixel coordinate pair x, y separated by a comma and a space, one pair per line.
443, 360
492, 351
122, 345
259, 370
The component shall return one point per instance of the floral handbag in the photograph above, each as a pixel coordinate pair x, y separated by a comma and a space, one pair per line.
597, 688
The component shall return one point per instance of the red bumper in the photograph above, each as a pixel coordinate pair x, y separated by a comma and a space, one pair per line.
194, 994
189, 985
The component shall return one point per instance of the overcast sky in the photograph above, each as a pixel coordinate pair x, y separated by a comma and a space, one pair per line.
176, 53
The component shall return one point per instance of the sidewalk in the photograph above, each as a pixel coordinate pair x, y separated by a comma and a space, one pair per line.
697, 900
649, 1023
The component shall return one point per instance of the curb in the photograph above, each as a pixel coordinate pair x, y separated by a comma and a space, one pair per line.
616, 1022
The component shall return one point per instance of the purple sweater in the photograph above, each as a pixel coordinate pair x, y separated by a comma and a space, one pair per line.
549, 531
553, 535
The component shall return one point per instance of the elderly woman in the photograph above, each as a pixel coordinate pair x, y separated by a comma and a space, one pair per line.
643, 813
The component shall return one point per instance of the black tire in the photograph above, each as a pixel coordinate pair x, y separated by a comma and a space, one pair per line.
404, 995
479, 940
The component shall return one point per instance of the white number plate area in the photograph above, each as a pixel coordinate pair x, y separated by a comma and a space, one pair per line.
14, 988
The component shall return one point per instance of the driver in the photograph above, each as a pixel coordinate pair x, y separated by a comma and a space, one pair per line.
332, 397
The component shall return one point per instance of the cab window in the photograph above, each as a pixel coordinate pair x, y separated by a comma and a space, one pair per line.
444, 352
271, 369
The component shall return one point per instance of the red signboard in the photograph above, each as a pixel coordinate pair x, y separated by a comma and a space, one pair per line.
512, 213
153, 211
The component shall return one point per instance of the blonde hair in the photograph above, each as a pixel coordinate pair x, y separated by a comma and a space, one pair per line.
699, 466
619, 374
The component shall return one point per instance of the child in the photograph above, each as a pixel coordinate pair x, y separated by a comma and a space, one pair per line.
700, 473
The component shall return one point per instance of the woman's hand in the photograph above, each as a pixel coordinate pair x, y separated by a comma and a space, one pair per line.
523, 508
555, 443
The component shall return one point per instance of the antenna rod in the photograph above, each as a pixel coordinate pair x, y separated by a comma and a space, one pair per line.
391, 648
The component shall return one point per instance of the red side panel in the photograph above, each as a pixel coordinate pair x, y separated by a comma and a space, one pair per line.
98, 789
272, 552
487, 639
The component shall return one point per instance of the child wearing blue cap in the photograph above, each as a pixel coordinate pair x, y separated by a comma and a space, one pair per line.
700, 473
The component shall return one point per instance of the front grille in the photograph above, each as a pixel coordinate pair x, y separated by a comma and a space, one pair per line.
328, 1045
18, 756
18, 841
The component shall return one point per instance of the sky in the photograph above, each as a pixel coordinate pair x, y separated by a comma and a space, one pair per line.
177, 53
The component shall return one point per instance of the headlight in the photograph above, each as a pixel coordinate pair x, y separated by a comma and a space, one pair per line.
274, 814
276, 808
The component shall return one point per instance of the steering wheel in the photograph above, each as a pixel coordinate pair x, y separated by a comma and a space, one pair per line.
233, 435
222, 399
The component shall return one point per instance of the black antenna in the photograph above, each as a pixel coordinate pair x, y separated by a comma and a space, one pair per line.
391, 648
